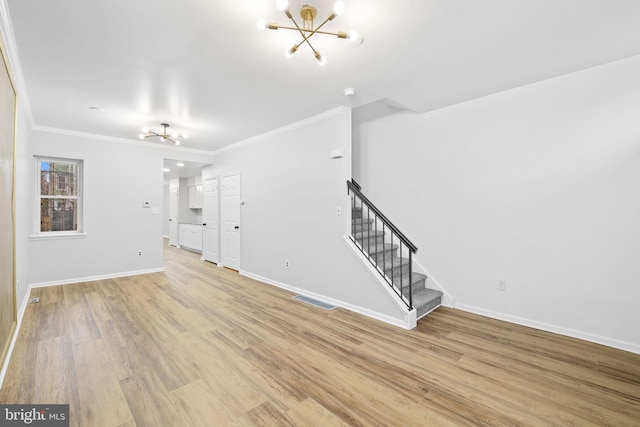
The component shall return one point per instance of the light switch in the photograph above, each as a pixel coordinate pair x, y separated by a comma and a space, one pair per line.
146, 204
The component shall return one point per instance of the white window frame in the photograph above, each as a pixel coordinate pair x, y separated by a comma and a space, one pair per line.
37, 233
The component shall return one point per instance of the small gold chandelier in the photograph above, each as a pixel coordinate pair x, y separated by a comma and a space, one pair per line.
164, 136
307, 29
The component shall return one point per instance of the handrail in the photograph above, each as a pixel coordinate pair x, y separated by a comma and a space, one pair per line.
356, 189
353, 181
396, 281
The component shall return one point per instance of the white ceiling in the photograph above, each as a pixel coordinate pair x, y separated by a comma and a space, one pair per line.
203, 66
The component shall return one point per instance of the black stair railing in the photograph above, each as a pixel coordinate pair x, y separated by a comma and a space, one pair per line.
377, 237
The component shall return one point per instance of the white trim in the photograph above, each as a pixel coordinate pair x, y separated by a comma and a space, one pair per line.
79, 197
296, 125
410, 316
585, 336
57, 235
94, 278
360, 310
23, 308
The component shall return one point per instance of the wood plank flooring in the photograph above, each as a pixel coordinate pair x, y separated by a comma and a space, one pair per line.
200, 345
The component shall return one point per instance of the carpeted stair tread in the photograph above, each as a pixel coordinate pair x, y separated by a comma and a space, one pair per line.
416, 279
426, 300
365, 234
394, 263
373, 249
362, 220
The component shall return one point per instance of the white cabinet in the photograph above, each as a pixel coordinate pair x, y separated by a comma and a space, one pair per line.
191, 236
195, 197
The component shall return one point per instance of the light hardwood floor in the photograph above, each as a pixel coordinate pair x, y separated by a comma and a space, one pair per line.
203, 346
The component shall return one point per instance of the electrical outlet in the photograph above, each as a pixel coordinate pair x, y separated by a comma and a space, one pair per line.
287, 264
140, 252
502, 285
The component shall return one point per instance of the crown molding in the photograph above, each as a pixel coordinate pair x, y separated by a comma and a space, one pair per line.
296, 125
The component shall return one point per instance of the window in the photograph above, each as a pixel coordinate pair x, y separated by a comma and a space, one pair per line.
59, 192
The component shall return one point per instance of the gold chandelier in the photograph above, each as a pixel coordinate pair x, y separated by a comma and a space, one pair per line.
308, 29
164, 136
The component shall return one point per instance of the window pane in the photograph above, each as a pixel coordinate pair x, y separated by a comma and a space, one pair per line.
58, 215
58, 178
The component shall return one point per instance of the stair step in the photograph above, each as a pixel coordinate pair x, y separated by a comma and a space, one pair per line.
395, 267
360, 226
418, 282
369, 236
426, 300
356, 212
361, 220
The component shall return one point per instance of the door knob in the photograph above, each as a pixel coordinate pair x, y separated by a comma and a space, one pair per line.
236, 227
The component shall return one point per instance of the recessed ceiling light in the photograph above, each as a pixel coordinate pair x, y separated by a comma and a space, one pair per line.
166, 170
349, 91
179, 164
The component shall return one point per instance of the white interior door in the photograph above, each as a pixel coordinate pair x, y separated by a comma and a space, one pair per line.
231, 221
210, 208
173, 212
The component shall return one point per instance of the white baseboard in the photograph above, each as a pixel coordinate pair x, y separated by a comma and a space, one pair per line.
585, 336
21, 310
360, 310
94, 278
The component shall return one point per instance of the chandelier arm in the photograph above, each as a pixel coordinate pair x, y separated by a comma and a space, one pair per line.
310, 31
304, 36
314, 31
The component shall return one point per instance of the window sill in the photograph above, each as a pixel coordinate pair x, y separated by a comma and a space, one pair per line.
57, 235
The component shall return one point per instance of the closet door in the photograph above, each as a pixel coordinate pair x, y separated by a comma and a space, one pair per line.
7, 212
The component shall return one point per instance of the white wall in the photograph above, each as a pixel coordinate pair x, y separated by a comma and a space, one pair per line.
291, 189
117, 179
537, 186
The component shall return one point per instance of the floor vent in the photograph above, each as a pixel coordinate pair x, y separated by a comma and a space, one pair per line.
315, 302
34, 300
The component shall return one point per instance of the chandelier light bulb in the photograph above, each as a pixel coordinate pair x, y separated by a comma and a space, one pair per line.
338, 7
261, 24
352, 35
145, 130
163, 139
289, 52
141, 135
177, 142
321, 59
282, 4
185, 136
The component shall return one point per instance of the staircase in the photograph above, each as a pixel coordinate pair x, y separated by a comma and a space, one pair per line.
390, 253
